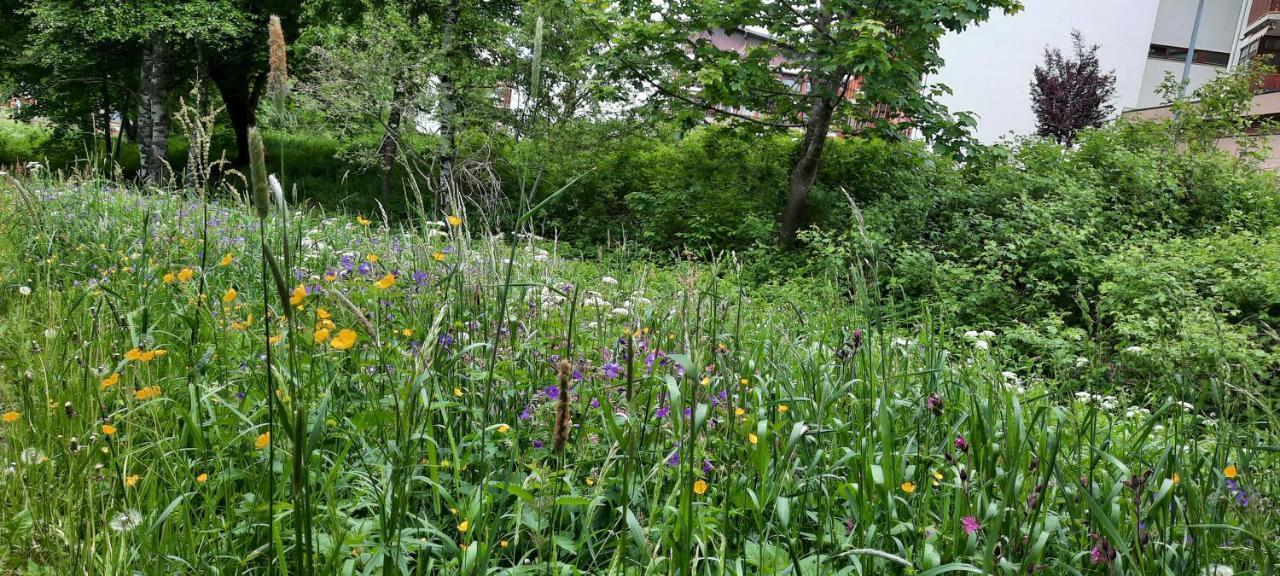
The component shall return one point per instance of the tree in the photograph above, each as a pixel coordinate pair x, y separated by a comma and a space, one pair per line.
1071, 94
817, 65
79, 57
432, 64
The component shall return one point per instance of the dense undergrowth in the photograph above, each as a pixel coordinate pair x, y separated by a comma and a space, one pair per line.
428, 402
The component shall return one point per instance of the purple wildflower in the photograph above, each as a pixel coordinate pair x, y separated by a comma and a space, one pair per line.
552, 392
970, 524
612, 370
934, 403
537, 443
962, 444
662, 412
1102, 552
673, 459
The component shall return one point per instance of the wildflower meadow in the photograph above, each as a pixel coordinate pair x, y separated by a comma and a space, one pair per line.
195, 387
1040, 358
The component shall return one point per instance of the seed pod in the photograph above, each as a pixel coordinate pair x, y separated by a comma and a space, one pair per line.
258, 174
560, 433
278, 77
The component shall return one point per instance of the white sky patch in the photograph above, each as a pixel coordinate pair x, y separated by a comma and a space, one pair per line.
989, 66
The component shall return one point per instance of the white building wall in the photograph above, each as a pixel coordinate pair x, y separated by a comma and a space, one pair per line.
1149, 95
1218, 26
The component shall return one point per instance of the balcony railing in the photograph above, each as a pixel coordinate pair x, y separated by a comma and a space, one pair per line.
1261, 8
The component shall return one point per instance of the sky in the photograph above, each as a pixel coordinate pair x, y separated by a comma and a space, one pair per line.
989, 67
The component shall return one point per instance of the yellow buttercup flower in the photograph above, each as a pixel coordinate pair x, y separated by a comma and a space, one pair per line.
372, 258
148, 393
783, 408
298, 296
457, 392
275, 339
1230, 471
185, 274
229, 295
321, 336
752, 438
700, 487
108, 430
454, 220
1176, 479
361, 220
226, 259
131, 480
202, 478
407, 332
503, 543
438, 256
504, 428
11, 416
168, 278
739, 412
322, 314
464, 525
908, 487
110, 381
345, 339
385, 282
263, 440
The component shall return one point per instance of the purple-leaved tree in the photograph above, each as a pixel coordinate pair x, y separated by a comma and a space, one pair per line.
1069, 94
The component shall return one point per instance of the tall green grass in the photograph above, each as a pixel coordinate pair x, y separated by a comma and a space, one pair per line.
716, 428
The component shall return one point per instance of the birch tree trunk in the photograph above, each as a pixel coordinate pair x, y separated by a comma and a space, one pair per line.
153, 112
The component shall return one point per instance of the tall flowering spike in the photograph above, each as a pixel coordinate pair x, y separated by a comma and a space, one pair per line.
258, 173
560, 433
278, 79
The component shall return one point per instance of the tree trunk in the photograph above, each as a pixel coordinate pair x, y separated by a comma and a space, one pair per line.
106, 120
391, 139
240, 93
805, 170
448, 98
143, 126
153, 112
125, 125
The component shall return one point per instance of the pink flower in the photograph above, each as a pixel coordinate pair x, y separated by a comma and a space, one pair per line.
970, 524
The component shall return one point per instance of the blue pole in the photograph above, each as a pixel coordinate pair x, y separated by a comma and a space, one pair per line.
1191, 50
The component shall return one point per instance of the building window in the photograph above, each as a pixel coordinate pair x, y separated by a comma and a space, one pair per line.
1207, 57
